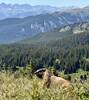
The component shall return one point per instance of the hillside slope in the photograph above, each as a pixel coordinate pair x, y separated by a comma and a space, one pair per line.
15, 29
65, 32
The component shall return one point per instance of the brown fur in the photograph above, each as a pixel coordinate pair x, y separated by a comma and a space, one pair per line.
46, 78
50, 79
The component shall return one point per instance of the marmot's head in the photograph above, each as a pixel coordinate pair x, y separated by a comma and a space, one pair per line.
40, 72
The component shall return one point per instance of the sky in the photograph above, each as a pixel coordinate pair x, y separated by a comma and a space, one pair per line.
58, 3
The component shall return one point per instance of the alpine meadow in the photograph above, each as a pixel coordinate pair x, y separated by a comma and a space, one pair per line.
44, 50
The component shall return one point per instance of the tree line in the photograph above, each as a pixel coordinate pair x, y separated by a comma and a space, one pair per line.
65, 55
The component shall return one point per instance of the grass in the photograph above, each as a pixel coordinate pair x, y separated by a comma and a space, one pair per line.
15, 86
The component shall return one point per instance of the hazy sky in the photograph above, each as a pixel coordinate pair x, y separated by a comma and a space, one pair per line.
60, 3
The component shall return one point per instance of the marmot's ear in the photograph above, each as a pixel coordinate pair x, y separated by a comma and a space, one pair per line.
40, 70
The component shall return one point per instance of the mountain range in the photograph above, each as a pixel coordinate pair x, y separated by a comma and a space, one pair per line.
24, 10
16, 29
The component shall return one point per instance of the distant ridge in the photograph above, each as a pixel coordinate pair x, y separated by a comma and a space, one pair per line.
24, 10
16, 29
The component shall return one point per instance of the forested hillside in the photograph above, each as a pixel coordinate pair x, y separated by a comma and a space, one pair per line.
68, 54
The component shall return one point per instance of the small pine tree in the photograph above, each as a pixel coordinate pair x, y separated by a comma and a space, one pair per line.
29, 69
26, 70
